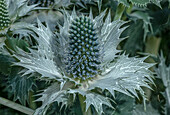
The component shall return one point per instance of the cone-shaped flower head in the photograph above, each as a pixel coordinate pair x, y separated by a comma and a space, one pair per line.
83, 57
84, 42
43, 3
4, 17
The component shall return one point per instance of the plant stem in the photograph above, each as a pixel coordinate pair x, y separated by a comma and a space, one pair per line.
16, 106
119, 11
128, 11
152, 47
83, 106
32, 104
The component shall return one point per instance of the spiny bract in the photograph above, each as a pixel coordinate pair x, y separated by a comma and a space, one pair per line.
83, 57
4, 17
43, 3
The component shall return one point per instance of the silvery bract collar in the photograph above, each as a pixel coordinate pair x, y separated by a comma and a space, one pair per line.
82, 60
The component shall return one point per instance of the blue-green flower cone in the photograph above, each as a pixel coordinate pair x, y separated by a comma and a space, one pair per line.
4, 17
83, 61
43, 3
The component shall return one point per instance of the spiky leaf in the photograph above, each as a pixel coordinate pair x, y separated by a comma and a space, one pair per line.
6, 59
140, 3
123, 105
125, 75
43, 3
124, 2
14, 43
20, 85
147, 27
97, 101
163, 72
134, 42
19, 8
110, 35
160, 19
42, 59
54, 93
92, 99
5, 62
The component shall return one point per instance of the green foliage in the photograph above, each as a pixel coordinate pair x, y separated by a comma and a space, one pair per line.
18, 8
163, 72
123, 105
15, 43
97, 101
140, 3
8, 111
54, 93
134, 42
160, 19
147, 27
140, 111
20, 85
6, 62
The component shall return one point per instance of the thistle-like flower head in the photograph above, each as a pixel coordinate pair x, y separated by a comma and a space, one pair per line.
84, 57
43, 3
4, 17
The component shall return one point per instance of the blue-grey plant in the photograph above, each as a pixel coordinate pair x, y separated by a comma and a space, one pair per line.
163, 72
4, 17
82, 59
11, 11
43, 3
140, 3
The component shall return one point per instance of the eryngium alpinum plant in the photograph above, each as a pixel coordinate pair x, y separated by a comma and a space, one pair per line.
82, 59
4, 17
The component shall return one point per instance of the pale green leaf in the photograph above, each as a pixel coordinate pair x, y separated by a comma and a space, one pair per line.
134, 43
163, 72
20, 85
19, 8
110, 35
125, 75
99, 2
52, 94
145, 2
146, 21
123, 105
42, 59
97, 101
140, 3
5, 62
92, 98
